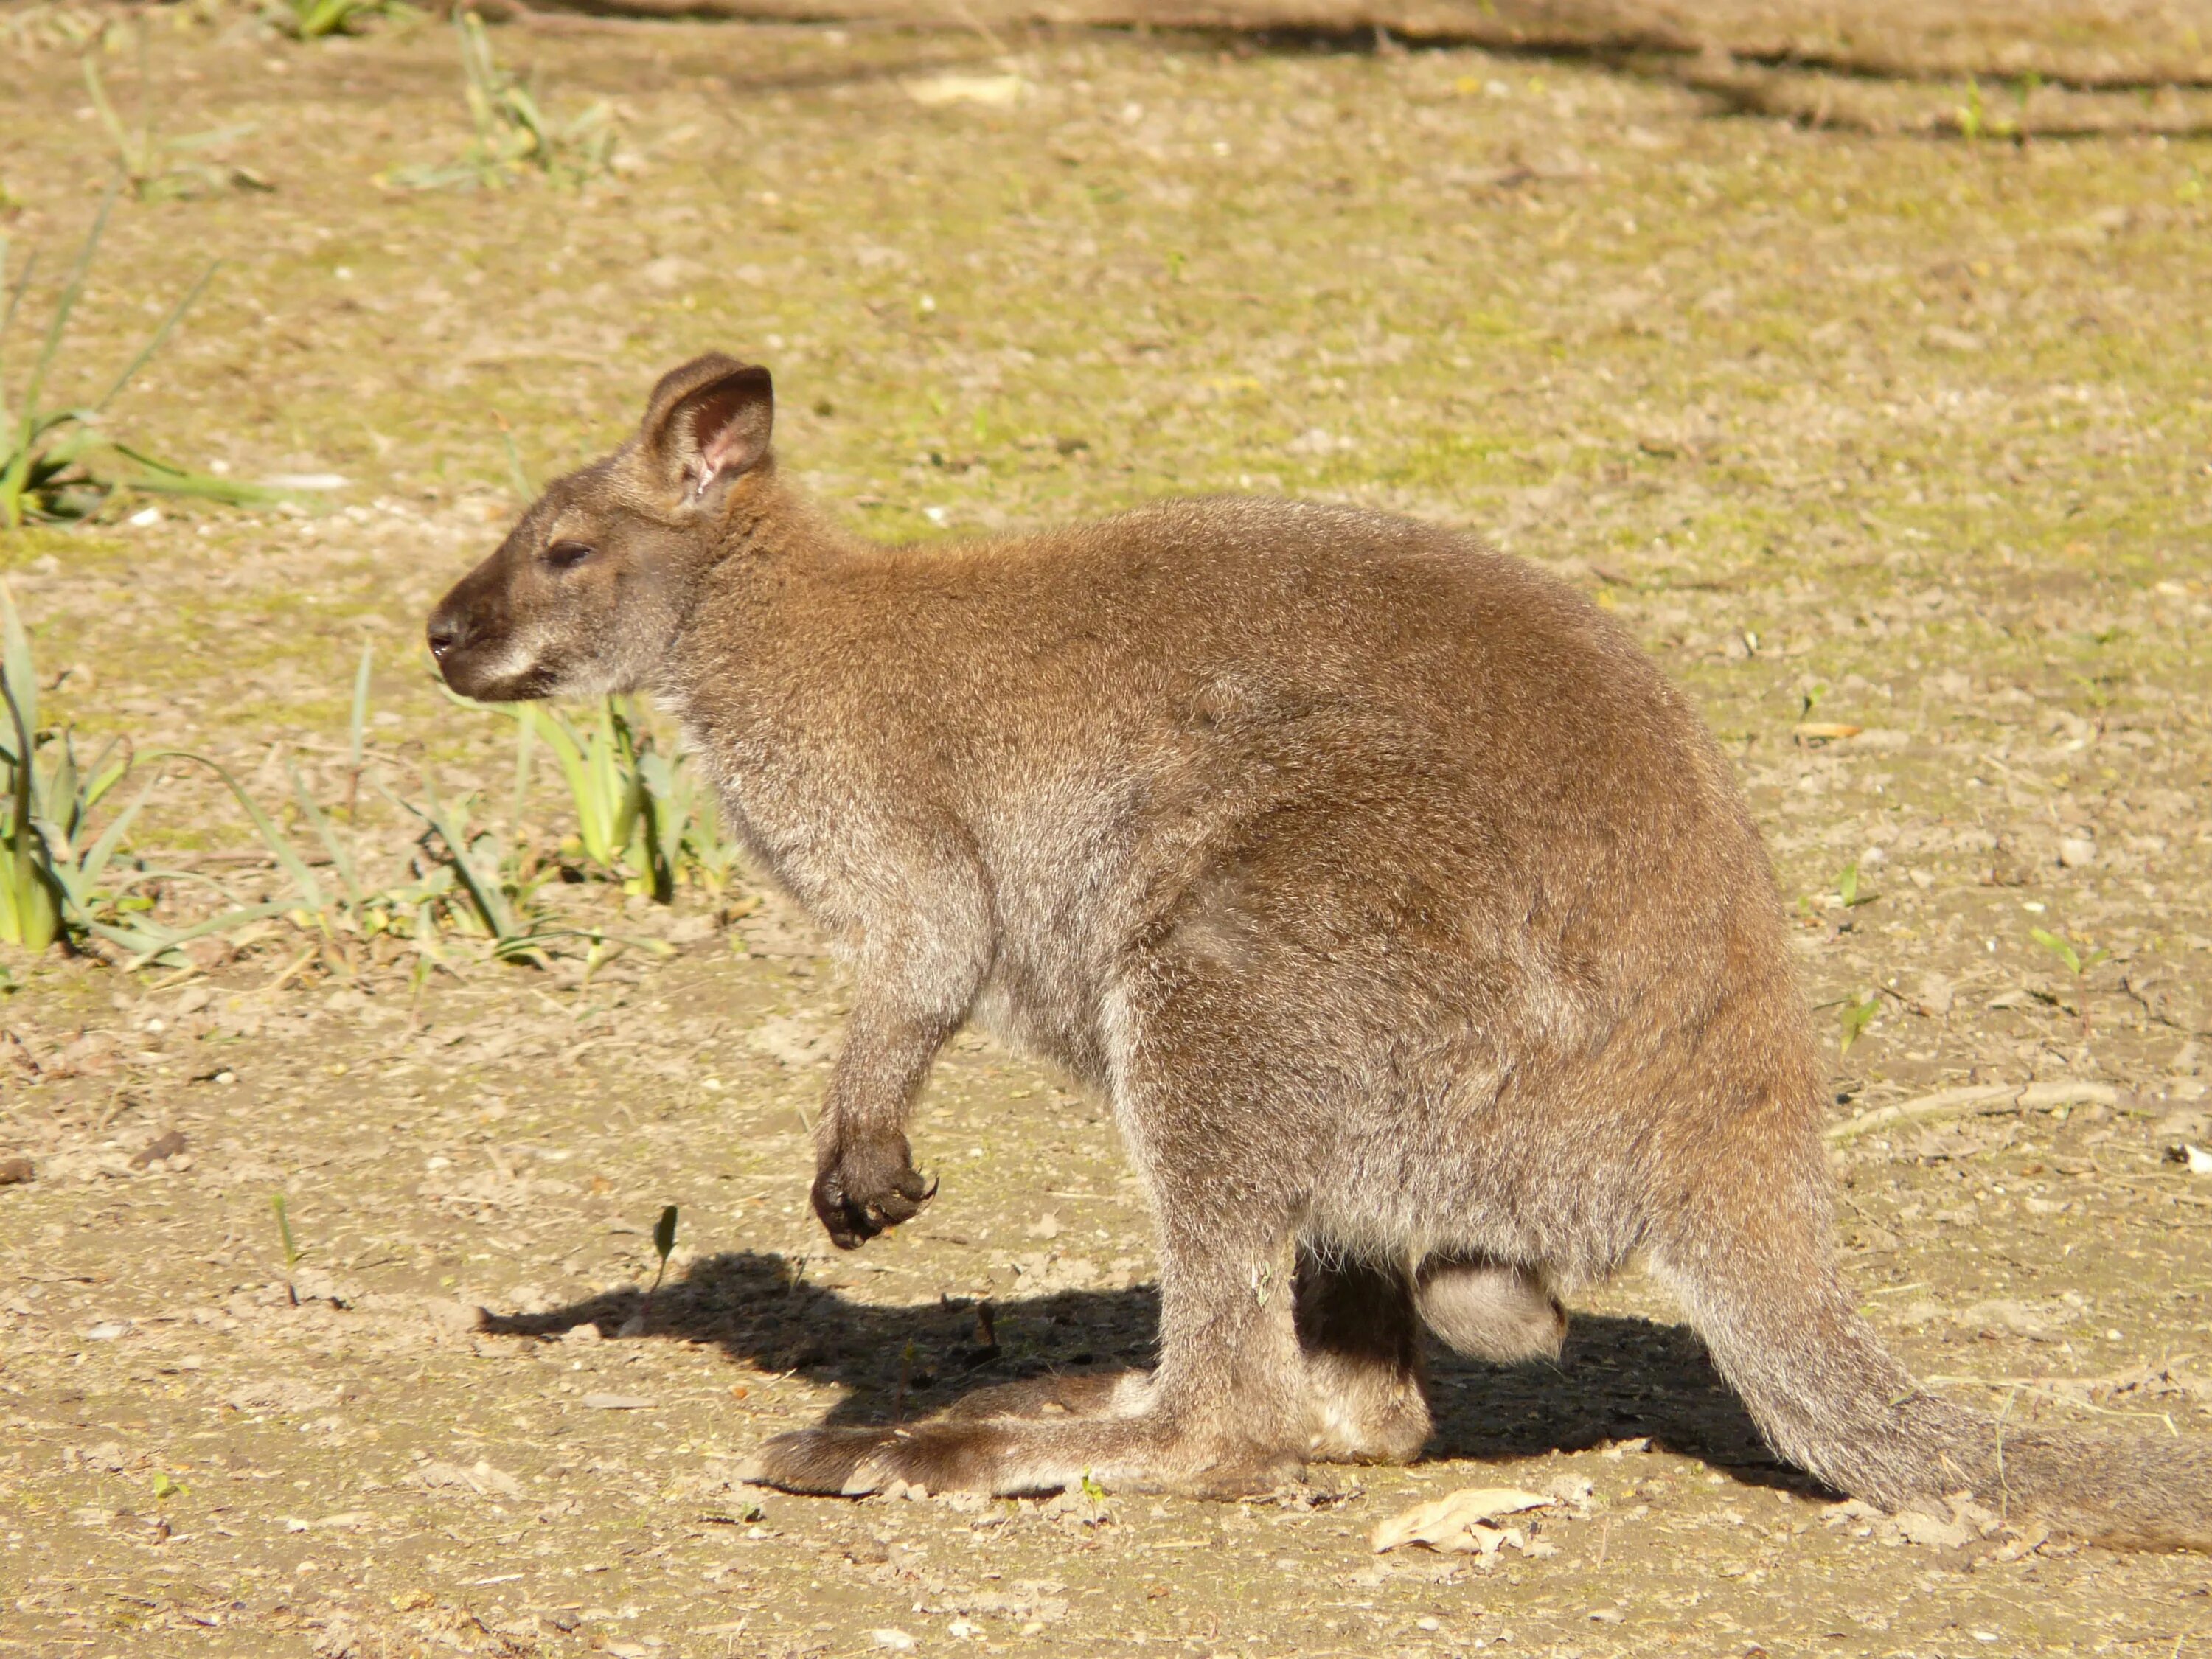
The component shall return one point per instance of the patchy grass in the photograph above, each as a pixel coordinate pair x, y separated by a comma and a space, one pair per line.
1923, 423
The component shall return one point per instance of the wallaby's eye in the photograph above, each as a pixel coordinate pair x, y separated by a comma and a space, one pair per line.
566, 555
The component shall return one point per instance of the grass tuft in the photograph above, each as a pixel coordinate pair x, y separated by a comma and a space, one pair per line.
49, 455
515, 137
154, 168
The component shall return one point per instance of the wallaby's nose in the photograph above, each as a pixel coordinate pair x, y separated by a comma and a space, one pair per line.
447, 634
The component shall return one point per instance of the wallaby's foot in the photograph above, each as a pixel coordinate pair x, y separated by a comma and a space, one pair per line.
1013, 1456
1361, 1352
865, 1184
1100, 1393
1489, 1311
1363, 1415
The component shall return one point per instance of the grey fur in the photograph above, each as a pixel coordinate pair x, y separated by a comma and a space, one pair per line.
1406, 917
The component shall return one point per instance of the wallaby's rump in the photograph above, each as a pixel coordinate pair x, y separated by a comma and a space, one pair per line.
1408, 920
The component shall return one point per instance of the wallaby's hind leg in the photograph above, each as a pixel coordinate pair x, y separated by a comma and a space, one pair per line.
1220, 1418
1095, 1393
1362, 1345
1488, 1311
1225, 1414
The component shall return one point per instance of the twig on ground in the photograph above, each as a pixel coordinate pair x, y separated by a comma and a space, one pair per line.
2026, 1385
1988, 1100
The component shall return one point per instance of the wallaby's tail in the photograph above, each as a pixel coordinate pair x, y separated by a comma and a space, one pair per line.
1757, 1278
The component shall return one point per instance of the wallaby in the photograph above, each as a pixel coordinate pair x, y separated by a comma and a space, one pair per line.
1410, 922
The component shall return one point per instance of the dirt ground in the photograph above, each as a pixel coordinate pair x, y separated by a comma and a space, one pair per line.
1897, 436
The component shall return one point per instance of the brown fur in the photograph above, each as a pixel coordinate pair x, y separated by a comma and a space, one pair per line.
1408, 920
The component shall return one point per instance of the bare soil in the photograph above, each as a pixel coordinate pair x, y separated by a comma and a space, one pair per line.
1905, 438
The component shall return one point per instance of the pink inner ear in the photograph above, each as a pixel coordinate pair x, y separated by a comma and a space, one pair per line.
723, 439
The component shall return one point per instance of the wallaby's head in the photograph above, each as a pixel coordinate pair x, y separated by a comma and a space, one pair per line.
587, 593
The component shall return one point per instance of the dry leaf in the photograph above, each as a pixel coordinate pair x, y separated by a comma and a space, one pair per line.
1451, 1522
483, 1479
159, 1150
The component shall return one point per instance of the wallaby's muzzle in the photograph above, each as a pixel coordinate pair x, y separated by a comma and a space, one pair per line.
471, 638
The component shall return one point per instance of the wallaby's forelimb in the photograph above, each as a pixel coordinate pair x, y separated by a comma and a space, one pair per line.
864, 1179
915, 986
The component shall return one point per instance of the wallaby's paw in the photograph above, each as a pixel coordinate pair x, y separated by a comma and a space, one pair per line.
863, 1186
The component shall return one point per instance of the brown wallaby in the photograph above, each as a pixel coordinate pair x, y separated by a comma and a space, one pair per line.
1408, 920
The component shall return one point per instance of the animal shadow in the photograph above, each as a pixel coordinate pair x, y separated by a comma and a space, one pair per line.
1617, 1379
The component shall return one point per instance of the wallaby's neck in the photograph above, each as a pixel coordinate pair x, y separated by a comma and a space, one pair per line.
772, 527
771, 534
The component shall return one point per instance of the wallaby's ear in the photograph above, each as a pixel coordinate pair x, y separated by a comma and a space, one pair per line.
708, 422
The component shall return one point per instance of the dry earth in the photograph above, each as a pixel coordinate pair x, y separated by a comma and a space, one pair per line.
1914, 432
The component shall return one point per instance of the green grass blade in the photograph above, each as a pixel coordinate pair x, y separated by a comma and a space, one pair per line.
96, 856
523, 492
525, 742
31, 917
2057, 947
303, 879
490, 903
126, 157
340, 861
148, 942
7, 320
59, 796
160, 335
357, 720
213, 137
20, 670
199, 486
102, 775
568, 754
64, 305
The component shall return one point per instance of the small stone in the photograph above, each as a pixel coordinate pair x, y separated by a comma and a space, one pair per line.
15, 1172
1929, 1533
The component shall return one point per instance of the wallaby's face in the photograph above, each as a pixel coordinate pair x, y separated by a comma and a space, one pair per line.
587, 593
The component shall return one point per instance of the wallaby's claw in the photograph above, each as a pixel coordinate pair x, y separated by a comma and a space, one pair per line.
863, 1190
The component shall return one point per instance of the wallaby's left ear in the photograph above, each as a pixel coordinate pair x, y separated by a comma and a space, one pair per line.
709, 423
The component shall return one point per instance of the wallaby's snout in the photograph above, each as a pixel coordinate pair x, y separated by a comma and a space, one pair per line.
469, 637
589, 588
